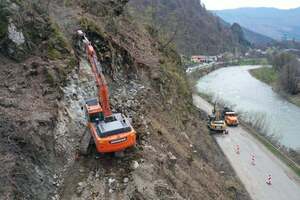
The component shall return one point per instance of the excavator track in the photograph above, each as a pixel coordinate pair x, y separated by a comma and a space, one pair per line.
85, 142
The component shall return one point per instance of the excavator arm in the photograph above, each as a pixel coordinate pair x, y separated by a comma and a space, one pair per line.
103, 93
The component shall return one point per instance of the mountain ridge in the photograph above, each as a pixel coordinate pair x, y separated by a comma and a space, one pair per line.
250, 8
279, 24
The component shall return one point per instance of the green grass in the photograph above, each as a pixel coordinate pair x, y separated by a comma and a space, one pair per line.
270, 76
3, 28
58, 45
4, 14
265, 74
250, 61
253, 61
295, 99
92, 26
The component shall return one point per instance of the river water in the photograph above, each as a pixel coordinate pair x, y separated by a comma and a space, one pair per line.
255, 101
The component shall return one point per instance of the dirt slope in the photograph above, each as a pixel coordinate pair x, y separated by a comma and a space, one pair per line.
41, 120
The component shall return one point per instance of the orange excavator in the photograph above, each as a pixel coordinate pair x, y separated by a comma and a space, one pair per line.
111, 132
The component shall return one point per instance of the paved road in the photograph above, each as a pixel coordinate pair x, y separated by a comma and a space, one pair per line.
200, 66
285, 183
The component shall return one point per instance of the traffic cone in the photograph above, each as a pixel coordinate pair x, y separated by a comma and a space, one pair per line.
238, 149
269, 180
253, 159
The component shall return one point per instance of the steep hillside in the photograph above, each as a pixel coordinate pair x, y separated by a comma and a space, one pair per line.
194, 29
274, 23
257, 39
45, 78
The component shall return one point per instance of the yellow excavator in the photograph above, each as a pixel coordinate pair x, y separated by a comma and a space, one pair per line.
215, 122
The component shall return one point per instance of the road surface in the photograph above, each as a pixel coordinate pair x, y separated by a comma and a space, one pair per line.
200, 66
285, 183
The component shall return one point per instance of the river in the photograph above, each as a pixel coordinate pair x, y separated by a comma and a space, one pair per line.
255, 101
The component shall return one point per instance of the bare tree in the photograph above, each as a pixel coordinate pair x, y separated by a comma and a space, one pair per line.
289, 76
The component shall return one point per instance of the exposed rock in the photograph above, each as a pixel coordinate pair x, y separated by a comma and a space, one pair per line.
80, 187
135, 164
111, 181
6, 102
125, 180
12, 88
172, 157
13, 34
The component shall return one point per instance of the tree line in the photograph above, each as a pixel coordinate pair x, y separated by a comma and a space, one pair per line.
288, 67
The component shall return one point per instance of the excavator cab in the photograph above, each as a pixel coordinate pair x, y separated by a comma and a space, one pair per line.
94, 110
230, 117
215, 122
111, 134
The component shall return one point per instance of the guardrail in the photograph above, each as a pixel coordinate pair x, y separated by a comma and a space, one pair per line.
275, 150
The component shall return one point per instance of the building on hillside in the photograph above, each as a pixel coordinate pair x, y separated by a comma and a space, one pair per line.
256, 53
204, 59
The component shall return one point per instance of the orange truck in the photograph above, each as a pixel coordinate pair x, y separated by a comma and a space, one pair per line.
111, 132
230, 117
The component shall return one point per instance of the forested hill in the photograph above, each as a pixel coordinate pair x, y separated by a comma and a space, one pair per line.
194, 29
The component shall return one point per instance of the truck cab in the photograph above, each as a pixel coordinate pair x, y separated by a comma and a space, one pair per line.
111, 134
230, 117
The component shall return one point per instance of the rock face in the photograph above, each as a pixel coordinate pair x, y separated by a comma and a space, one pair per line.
31, 30
41, 120
14, 35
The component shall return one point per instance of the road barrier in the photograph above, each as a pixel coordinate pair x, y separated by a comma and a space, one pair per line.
238, 149
275, 150
253, 159
269, 180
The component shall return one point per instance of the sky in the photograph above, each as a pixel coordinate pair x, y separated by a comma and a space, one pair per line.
228, 4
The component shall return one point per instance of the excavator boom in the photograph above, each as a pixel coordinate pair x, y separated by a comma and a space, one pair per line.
103, 93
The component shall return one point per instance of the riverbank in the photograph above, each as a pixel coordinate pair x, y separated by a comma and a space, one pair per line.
265, 74
270, 76
196, 71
